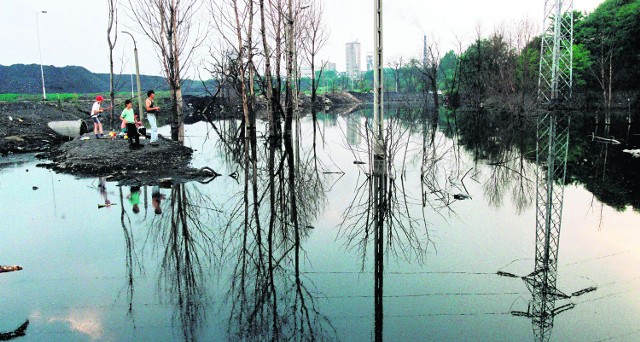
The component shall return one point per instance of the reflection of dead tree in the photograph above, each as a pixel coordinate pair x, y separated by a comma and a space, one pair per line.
510, 169
269, 300
10, 335
168, 25
402, 214
125, 221
189, 246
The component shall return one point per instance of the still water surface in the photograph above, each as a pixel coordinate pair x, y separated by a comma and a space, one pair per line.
191, 272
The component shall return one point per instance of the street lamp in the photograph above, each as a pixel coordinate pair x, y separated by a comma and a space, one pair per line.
135, 53
295, 57
44, 92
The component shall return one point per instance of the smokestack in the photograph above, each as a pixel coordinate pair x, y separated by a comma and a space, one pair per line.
425, 59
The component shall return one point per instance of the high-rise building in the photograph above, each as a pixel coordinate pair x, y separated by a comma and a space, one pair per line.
353, 59
305, 70
329, 66
369, 61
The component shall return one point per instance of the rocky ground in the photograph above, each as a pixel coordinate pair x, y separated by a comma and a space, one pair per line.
23, 126
113, 159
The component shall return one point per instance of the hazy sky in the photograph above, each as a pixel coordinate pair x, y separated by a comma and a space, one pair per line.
73, 32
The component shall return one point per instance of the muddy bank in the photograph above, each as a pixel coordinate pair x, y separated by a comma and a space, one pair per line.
23, 126
166, 163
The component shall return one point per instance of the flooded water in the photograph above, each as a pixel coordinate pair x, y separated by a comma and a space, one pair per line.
222, 260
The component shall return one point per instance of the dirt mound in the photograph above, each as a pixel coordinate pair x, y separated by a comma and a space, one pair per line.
90, 157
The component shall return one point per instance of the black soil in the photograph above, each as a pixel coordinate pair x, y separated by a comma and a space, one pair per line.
115, 160
23, 126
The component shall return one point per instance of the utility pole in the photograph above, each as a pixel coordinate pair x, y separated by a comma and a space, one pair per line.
379, 168
44, 92
135, 53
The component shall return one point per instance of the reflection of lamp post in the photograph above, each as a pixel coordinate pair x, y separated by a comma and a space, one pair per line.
629, 105
135, 53
44, 92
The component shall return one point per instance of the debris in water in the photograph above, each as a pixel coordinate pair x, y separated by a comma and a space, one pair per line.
506, 274
583, 291
461, 197
357, 162
34, 187
606, 140
6, 336
634, 153
520, 314
9, 268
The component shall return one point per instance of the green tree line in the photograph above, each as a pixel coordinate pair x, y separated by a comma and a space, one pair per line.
501, 70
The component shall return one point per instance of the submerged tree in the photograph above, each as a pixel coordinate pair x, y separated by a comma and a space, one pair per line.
168, 24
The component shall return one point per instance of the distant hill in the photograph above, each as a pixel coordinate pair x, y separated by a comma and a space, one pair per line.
26, 79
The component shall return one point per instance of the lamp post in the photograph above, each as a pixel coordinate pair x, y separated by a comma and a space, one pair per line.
295, 58
44, 92
135, 53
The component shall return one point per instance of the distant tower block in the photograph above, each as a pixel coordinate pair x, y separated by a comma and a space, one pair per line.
556, 52
369, 61
353, 59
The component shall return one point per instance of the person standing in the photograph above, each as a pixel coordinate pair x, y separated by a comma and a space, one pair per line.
152, 111
128, 118
95, 115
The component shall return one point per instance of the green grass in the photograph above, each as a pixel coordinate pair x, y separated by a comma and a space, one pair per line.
38, 97
71, 97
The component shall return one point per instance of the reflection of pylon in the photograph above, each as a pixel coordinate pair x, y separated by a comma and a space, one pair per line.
554, 87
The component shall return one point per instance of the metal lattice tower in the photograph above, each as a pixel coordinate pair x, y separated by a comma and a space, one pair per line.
556, 52
554, 87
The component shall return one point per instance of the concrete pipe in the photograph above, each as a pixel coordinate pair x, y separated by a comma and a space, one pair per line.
70, 129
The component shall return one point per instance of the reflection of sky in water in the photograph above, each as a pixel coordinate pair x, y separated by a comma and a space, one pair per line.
74, 282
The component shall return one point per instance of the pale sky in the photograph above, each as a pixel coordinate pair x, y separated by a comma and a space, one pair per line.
73, 32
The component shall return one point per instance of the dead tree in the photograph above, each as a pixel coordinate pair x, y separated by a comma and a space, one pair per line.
314, 38
396, 65
429, 69
168, 24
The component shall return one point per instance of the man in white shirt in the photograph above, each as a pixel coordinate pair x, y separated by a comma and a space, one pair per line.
95, 115
152, 111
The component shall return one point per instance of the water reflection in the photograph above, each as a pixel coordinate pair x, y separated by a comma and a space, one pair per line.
506, 143
269, 297
251, 236
384, 211
19, 332
188, 249
180, 233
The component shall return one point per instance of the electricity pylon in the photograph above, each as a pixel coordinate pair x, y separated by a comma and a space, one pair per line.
554, 88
